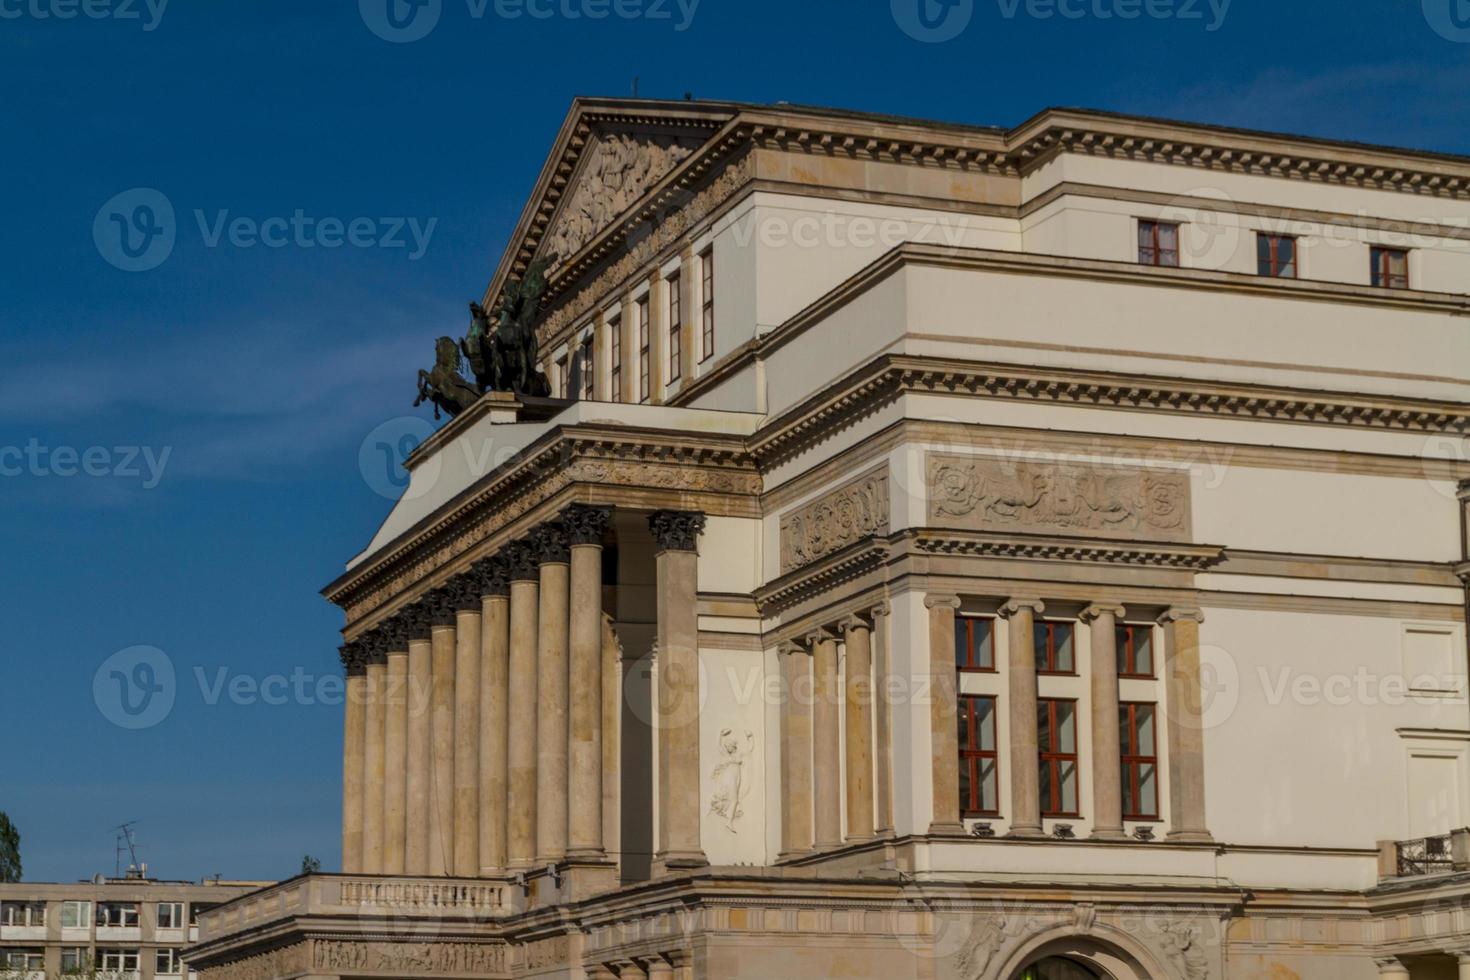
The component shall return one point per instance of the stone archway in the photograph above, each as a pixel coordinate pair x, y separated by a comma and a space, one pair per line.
1060, 954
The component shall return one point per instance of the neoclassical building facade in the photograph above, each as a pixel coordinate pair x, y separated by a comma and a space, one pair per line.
950, 552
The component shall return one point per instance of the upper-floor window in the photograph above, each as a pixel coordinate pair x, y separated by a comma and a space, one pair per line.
1054, 644
979, 758
24, 960
1056, 737
676, 345
564, 375
1158, 243
587, 369
170, 915
644, 367
120, 960
707, 303
1390, 268
23, 914
117, 914
615, 353
167, 962
1135, 642
76, 915
1140, 755
1276, 256
974, 642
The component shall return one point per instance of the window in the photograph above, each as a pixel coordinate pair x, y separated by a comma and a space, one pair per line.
643, 357
167, 961
615, 348
120, 961
979, 761
588, 367
564, 376
1056, 734
974, 643
170, 915
196, 909
76, 915
116, 914
31, 960
707, 304
1276, 256
75, 959
23, 914
1140, 760
1158, 243
1054, 648
1135, 650
1390, 268
676, 339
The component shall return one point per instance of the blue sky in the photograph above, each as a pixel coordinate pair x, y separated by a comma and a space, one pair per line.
259, 371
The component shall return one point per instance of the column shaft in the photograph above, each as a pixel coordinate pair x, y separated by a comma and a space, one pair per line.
857, 705
883, 720
395, 760
584, 793
441, 808
372, 779
467, 629
420, 757
494, 731
826, 740
521, 711
1025, 756
1107, 793
354, 734
796, 751
612, 701
1185, 712
944, 762
551, 714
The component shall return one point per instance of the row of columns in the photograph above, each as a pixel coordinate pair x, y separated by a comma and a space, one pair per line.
831, 722
1182, 716
480, 728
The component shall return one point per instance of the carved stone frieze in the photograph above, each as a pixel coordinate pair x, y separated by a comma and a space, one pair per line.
856, 510
409, 959
274, 964
1010, 494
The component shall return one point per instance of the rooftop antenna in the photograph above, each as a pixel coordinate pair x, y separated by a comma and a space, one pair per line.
124, 838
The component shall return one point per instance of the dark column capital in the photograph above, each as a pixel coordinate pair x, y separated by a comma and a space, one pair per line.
441, 605
353, 656
549, 541
415, 619
491, 576
394, 632
586, 525
676, 530
520, 559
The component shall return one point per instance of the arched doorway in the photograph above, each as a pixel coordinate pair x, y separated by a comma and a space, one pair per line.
1061, 968
1103, 954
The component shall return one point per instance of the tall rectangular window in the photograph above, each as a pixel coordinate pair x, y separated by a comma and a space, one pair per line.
76, 915
1135, 642
75, 959
707, 303
979, 759
615, 353
1140, 777
676, 337
167, 962
1056, 736
1390, 268
170, 915
644, 387
588, 367
974, 643
1158, 243
1054, 647
1276, 256
564, 375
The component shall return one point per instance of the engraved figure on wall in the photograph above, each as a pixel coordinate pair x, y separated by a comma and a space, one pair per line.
728, 777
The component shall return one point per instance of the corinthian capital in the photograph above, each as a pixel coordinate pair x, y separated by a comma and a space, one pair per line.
676, 530
586, 525
549, 541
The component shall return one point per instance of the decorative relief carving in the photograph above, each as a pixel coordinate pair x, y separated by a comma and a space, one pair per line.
676, 530
728, 778
284, 962
619, 170
850, 513
408, 959
996, 494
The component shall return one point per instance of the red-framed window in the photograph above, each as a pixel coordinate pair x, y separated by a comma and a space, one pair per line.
707, 303
974, 643
1056, 735
644, 356
615, 354
1276, 256
979, 758
1138, 738
1390, 268
1158, 243
1056, 647
676, 337
588, 368
1135, 642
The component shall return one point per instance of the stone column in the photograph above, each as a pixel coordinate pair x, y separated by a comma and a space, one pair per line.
585, 528
676, 536
550, 542
629, 326
1389, 968
612, 703
354, 735
883, 720
1462, 958
826, 739
796, 750
1185, 724
467, 650
525, 590
441, 726
1107, 793
493, 577
944, 746
395, 746
372, 758
420, 751
1025, 756
857, 717
688, 269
